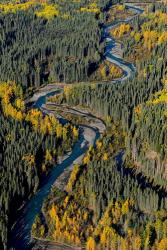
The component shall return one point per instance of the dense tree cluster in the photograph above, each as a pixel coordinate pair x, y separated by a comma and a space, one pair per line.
117, 198
146, 123
122, 182
30, 146
26, 156
35, 49
107, 206
119, 100
39, 42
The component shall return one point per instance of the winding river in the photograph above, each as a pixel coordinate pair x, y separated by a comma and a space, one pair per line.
21, 231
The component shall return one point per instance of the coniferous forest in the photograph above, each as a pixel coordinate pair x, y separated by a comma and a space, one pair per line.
109, 107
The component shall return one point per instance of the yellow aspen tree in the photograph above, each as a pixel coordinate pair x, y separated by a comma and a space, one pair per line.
90, 244
124, 244
72, 178
162, 38
59, 130
120, 7
19, 103
162, 245
65, 133
58, 225
137, 37
137, 242
86, 159
42, 231
19, 116
99, 144
48, 156
102, 70
165, 229
53, 212
105, 157
125, 207
75, 132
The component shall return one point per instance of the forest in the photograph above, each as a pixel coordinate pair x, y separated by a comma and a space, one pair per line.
39, 43
30, 146
116, 198
36, 46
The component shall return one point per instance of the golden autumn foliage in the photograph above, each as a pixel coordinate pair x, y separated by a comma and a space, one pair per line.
68, 91
162, 245
48, 11
48, 156
107, 71
152, 38
92, 8
9, 91
19, 104
16, 6
126, 206
47, 124
72, 178
162, 37
30, 159
67, 221
75, 132
90, 244
120, 7
34, 116
148, 36
137, 242
86, 159
70, 222
158, 97
105, 157
138, 109
109, 238
38, 228
13, 105
99, 144
156, 18
52, 212
121, 30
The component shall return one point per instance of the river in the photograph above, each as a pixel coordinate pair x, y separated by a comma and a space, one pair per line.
21, 231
